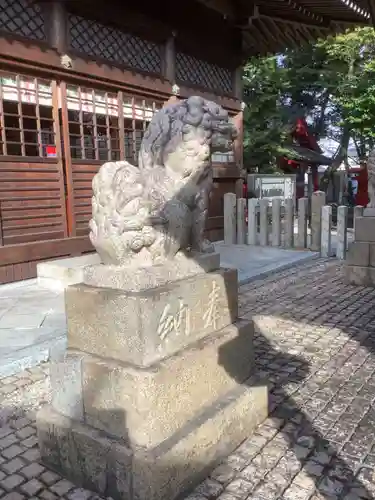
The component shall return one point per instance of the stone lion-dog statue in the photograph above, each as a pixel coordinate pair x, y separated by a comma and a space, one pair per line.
148, 214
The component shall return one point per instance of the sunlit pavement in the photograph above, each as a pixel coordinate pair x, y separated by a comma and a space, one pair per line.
315, 348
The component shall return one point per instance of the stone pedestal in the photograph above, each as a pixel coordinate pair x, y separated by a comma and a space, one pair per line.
155, 387
360, 258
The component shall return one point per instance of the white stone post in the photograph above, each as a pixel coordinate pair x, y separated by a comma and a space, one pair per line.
252, 229
357, 212
326, 228
230, 201
241, 229
276, 222
289, 223
263, 222
303, 207
318, 200
342, 229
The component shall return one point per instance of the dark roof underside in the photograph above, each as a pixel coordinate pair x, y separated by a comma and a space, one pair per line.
270, 26
299, 153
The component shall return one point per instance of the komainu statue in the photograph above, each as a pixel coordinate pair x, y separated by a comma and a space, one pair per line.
151, 213
371, 179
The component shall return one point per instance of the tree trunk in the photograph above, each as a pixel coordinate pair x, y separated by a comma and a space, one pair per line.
341, 155
319, 127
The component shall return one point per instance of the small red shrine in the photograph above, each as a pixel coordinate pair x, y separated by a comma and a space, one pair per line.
306, 154
359, 174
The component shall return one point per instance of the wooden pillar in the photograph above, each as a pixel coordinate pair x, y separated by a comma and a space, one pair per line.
57, 26
169, 68
1, 229
237, 83
169, 60
238, 121
238, 150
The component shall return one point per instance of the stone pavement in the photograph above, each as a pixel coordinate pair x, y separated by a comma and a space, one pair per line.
315, 348
32, 325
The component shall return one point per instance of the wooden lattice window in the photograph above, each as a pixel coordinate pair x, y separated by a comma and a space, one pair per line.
106, 126
26, 118
112, 44
195, 71
93, 124
23, 18
137, 116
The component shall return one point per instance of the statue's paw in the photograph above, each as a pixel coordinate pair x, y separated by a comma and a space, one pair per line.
207, 247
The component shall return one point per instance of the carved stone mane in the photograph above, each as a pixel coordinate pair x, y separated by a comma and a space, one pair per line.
146, 215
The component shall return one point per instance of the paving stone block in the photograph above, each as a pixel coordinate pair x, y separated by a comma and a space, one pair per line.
79, 494
33, 470
13, 465
32, 487
8, 441
62, 487
12, 451
11, 482
50, 477
13, 496
25, 432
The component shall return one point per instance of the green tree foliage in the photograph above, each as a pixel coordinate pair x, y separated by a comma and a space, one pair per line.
330, 82
265, 120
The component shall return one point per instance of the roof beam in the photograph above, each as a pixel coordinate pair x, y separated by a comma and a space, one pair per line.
267, 34
294, 20
284, 34
303, 10
371, 6
224, 7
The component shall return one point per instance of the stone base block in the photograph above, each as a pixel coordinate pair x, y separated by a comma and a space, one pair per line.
134, 279
369, 212
360, 275
60, 273
95, 461
358, 254
365, 229
146, 406
142, 327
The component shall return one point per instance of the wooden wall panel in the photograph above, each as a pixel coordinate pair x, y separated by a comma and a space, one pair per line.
225, 181
18, 262
31, 202
82, 175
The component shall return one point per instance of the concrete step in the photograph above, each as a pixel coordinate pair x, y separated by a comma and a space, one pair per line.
60, 273
32, 326
252, 262
29, 349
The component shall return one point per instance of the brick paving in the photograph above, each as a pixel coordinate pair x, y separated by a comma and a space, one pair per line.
315, 348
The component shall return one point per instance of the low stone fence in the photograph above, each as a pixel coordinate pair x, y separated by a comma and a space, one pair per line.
281, 224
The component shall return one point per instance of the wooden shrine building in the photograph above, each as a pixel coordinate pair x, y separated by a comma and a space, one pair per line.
80, 80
